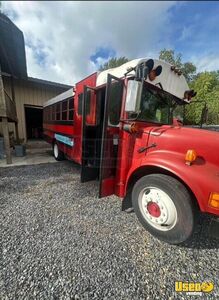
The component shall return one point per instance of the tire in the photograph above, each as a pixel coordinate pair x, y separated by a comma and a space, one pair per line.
57, 153
164, 207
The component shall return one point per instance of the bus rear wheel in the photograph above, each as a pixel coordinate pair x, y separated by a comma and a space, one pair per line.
57, 153
164, 207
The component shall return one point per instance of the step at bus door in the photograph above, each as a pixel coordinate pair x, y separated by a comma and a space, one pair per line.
89, 170
110, 136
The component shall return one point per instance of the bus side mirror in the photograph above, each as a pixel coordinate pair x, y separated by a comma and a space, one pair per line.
133, 96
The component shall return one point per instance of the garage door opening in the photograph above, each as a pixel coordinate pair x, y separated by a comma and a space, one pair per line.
34, 122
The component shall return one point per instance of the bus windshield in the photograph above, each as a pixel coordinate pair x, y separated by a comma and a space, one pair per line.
156, 106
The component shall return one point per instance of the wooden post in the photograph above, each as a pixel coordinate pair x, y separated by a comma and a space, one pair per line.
5, 122
6, 140
13, 98
16, 132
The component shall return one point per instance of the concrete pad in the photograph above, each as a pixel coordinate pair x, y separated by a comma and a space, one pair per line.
36, 153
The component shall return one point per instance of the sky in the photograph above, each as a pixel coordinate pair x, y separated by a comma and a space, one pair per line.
67, 41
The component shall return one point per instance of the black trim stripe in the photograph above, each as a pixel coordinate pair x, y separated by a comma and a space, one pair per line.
61, 122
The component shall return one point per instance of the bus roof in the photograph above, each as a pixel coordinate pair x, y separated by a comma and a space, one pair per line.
68, 94
168, 80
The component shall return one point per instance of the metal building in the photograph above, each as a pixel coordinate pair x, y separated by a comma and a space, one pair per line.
21, 97
29, 96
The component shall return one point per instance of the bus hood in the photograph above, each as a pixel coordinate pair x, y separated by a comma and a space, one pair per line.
182, 139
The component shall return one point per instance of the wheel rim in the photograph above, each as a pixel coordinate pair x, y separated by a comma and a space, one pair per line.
56, 150
157, 208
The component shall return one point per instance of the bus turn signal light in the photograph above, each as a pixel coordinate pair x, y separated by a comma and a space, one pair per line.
191, 156
131, 128
155, 72
214, 200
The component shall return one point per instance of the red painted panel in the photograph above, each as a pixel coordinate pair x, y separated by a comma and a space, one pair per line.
65, 129
91, 117
172, 143
89, 81
75, 129
107, 187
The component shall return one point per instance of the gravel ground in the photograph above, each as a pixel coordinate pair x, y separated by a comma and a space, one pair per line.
59, 241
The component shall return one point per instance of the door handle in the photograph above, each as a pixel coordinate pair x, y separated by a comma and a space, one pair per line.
142, 149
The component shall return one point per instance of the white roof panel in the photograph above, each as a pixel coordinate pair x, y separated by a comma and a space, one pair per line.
68, 94
169, 80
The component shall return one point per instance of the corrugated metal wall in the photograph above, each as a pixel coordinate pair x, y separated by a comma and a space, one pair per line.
28, 93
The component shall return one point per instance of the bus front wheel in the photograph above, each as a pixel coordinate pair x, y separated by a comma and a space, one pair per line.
164, 207
57, 153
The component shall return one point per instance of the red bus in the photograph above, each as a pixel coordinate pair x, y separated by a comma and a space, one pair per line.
120, 125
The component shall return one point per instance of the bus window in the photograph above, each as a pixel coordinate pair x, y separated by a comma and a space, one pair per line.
58, 111
64, 110
91, 107
88, 102
115, 103
80, 101
53, 112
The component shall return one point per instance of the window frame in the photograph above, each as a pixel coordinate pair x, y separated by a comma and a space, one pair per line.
64, 110
121, 87
171, 97
51, 111
70, 109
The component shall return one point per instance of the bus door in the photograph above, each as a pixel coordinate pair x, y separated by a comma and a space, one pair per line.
89, 170
110, 136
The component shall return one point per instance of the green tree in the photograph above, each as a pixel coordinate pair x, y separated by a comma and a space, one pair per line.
113, 63
206, 85
188, 68
170, 57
